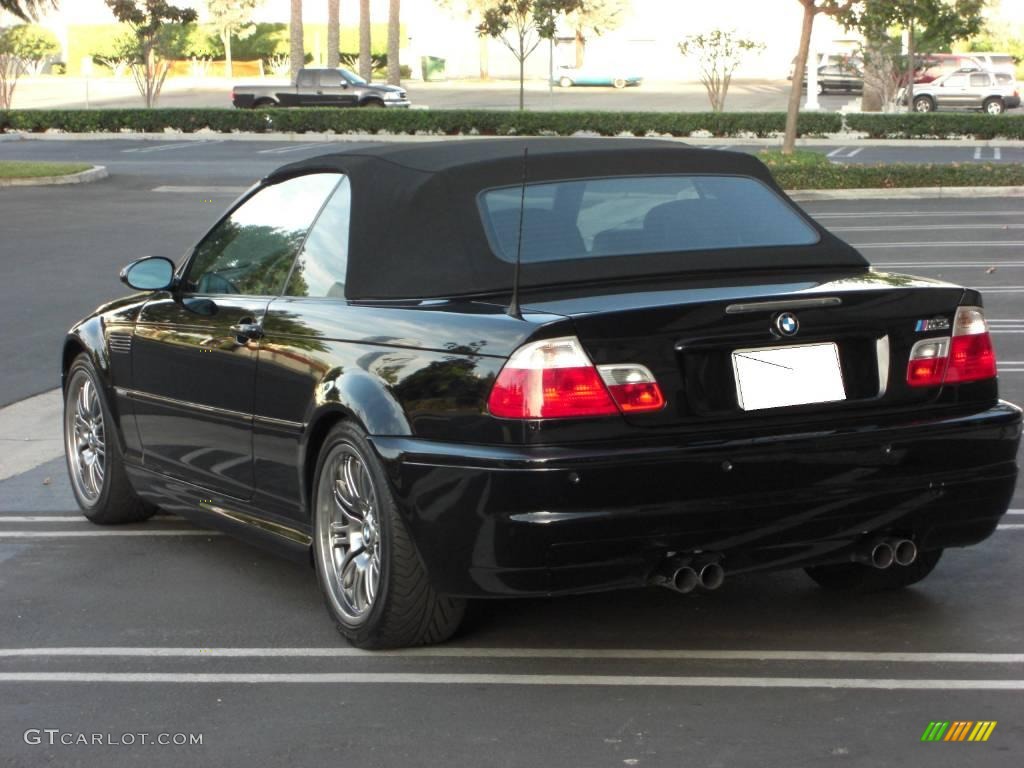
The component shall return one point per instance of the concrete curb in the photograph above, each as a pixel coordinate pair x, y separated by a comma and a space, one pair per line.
30, 433
95, 173
309, 138
905, 193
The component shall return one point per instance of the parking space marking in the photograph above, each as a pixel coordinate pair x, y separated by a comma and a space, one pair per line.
954, 264
924, 226
906, 214
997, 153
169, 147
284, 150
450, 651
437, 678
948, 244
1011, 527
200, 190
68, 519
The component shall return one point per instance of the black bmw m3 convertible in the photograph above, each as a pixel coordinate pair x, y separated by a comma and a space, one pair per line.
537, 367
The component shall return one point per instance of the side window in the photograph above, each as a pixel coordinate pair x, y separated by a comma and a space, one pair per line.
955, 81
307, 79
979, 81
251, 251
320, 268
330, 78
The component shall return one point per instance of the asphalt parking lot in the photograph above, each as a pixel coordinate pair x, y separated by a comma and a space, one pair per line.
166, 629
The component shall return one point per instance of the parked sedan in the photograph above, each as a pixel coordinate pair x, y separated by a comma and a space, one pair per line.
573, 365
595, 75
838, 77
990, 92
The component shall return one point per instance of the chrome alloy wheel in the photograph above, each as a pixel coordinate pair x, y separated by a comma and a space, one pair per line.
349, 533
85, 437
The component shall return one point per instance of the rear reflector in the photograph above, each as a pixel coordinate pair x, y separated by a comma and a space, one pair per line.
966, 356
555, 379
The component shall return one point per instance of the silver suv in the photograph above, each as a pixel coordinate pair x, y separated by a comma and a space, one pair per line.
990, 92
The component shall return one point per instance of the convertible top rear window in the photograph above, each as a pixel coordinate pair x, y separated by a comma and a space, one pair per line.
619, 216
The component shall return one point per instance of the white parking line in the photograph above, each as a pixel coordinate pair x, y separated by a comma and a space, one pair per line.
168, 147
924, 226
577, 654
947, 244
284, 150
907, 214
201, 190
958, 264
427, 678
1011, 527
69, 519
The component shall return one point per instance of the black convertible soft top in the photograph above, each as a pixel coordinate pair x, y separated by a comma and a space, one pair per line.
416, 229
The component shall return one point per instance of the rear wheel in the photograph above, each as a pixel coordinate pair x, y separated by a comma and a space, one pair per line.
565, 82
821, 89
95, 464
861, 578
619, 83
375, 587
924, 104
994, 106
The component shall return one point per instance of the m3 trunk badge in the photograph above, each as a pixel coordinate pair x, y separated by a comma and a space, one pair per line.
786, 324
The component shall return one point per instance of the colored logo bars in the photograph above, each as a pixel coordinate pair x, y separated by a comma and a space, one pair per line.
958, 730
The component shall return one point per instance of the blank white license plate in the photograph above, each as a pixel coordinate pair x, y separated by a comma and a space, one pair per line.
781, 376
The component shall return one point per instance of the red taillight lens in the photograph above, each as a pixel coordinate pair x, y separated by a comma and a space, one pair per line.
554, 379
964, 357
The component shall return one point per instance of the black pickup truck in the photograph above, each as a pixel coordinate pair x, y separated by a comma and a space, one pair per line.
321, 88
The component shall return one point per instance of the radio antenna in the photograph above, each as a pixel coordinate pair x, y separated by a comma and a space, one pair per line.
513, 304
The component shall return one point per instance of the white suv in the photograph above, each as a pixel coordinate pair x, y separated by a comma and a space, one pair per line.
990, 92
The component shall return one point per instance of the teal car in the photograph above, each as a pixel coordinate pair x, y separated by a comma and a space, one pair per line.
570, 76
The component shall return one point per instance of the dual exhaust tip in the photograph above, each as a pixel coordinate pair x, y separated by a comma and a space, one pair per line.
685, 576
887, 552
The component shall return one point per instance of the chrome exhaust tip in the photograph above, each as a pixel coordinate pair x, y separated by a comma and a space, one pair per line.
904, 551
712, 575
684, 580
882, 555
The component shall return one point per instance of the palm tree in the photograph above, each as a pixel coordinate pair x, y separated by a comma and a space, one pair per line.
296, 49
26, 10
365, 65
333, 29
394, 41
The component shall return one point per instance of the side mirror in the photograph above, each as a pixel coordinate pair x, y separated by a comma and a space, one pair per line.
153, 273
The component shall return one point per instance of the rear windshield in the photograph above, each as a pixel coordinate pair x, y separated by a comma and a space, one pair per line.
623, 215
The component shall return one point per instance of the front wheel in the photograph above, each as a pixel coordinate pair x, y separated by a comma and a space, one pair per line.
860, 577
924, 104
821, 89
565, 82
619, 83
95, 464
994, 106
375, 587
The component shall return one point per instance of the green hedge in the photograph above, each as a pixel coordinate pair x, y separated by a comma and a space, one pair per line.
812, 170
936, 125
446, 122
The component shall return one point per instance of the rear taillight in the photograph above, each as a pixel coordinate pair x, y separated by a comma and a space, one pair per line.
965, 356
554, 379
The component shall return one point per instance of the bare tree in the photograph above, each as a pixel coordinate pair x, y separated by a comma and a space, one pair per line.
718, 53
593, 18
296, 44
365, 63
394, 41
333, 33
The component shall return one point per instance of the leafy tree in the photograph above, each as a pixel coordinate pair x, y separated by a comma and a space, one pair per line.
232, 18
296, 49
333, 33
153, 40
930, 24
521, 25
811, 10
394, 41
26, 10
474, 9
718, 53
365, 65
593, 18
23, 48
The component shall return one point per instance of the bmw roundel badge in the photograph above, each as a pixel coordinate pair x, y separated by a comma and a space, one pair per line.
787, 324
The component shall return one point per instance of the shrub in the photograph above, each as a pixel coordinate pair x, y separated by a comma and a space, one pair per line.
935, 125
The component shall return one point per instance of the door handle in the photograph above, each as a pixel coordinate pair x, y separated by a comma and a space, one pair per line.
246, 330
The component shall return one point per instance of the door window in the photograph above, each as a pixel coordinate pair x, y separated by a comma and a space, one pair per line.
330, 78
251, 251
320, 268
955, 81
979, 80
306, 79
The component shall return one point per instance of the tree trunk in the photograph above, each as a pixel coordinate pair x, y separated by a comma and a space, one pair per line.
226, 39
485, 57
394, 41
799, 70
910, 64
581, 48
296, 47
872, 98
333, 33
522, 73
365, 65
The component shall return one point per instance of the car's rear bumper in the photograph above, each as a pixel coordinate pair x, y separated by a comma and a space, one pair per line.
494, 520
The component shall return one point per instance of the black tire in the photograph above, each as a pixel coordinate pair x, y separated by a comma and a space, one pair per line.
860, 578
116, 501
994, 106
373, 104
404, 610
924, 104
264, 104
